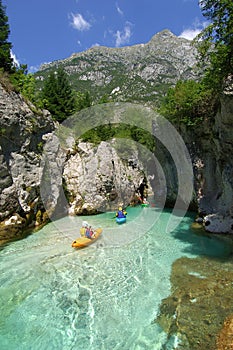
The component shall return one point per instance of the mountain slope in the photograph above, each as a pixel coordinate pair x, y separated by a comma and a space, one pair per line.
140, 73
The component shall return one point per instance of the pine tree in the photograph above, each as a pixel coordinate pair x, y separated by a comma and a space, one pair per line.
6, 62
83, 100
58, 96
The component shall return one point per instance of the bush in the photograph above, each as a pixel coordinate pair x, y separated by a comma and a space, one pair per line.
188, 102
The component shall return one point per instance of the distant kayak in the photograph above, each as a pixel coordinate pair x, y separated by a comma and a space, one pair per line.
120, 220
121, 216
145, 204
84, 241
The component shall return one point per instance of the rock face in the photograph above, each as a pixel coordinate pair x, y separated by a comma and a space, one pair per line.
93, 179
211, 147
220, 217
20, 148
98, 180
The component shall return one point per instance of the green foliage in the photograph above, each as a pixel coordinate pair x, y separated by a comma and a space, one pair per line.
143, 137
57, 95
40, 146
218, 70
15, 78
215, 42
2, 131
24, 82
188, 102
220, 13
83, 100
102, 133
6, 61
109, 131
103, 99
131, 88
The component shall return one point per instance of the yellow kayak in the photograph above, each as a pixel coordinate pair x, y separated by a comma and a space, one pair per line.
84, 241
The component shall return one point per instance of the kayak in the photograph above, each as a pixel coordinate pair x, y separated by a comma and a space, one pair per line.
84, 241
145, 204
120, 220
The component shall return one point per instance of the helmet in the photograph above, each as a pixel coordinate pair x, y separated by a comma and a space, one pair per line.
85, 224
119, 208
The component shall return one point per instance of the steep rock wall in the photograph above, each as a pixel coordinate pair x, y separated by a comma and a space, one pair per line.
99, 180
210, 147
21, 143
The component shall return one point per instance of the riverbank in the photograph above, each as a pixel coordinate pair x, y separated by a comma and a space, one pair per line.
16, 232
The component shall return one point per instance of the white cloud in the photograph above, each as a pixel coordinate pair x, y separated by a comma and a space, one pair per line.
190, 34
194, 30
15, 60
123, 37
119, 10
94, 45
33, 69
79, 23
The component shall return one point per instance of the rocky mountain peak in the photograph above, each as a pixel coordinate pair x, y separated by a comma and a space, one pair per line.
164, 34
139, 73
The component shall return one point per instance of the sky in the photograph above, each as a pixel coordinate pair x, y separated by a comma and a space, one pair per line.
42, 31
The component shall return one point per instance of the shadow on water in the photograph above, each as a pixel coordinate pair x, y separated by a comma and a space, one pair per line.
19, 235
201, 242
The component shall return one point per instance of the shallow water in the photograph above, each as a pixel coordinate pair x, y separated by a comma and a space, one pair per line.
105, 296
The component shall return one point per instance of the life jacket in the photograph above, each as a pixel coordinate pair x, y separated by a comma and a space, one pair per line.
120, 214
88, 233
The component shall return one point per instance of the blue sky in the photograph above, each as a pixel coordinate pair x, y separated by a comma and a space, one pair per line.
42, 31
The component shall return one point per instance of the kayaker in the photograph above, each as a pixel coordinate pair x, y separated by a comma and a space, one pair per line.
83, 228
121, 213
145, 201
89, 232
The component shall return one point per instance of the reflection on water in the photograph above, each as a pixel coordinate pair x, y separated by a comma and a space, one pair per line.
105, 296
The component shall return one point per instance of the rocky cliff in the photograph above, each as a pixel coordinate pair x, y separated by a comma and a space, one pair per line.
85, 179
213, 167
98, 178
82, 178
21, 143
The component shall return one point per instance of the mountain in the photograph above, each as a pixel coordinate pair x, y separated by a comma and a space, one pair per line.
140, 73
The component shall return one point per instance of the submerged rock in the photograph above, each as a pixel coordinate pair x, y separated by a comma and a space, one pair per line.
225, 337
200, 303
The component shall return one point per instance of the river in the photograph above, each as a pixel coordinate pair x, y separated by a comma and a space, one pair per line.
106, 296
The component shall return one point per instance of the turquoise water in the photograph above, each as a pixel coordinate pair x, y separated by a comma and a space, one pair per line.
106, 296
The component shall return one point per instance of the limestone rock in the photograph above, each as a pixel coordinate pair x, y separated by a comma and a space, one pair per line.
21, 141
210, 147
98, 180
